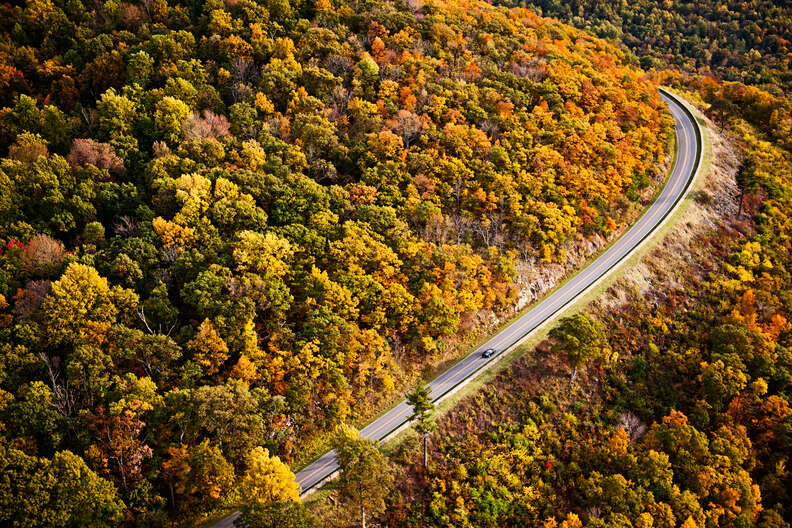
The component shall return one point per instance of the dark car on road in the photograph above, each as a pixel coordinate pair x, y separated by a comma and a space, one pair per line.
488, 353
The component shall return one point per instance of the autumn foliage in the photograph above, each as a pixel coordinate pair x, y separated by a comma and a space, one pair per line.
230, 226
685, 421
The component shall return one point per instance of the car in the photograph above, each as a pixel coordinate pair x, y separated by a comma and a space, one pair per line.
488, 353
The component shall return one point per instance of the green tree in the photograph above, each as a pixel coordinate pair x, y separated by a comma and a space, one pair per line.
747, 180
45, 194
32, 416
157, 312
81, 495
155, 353
94, 234
169, 117
364, 479
422, 416
64, 492
229, 415
139, 68
366, 76
115, 115
582, 338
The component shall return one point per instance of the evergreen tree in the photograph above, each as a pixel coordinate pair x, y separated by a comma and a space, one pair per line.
422, 416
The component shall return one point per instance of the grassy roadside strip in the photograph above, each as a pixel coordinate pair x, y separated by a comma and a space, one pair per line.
530, 342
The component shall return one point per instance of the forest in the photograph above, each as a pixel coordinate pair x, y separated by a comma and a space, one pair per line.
680, 413
744, 41
669, 406
228, 228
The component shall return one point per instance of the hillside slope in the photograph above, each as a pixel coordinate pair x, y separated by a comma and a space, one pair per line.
231, 225
735, 40
682, 416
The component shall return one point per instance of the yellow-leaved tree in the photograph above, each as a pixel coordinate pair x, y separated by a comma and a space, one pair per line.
209, 349
80, 297
267, 479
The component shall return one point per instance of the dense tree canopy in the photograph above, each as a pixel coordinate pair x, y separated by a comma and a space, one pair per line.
746, 41
227, 227
690, 422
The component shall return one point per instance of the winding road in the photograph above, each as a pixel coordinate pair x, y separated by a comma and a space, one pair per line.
688, 160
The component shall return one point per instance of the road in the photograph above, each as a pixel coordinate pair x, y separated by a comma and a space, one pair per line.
687, 162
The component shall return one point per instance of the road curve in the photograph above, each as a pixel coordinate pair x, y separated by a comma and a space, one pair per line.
687, 162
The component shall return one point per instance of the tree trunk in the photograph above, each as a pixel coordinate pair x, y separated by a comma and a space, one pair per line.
172, 495
363, 517
574, 372
739, 211
426, 470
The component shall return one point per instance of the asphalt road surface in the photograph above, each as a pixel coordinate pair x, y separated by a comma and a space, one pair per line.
688, 153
